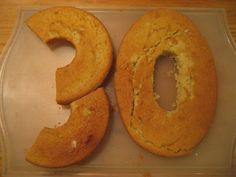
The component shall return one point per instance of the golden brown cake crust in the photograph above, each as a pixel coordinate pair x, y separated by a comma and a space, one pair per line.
167, 133
93, 49
77, 138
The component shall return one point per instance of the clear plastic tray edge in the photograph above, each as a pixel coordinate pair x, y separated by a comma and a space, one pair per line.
111, 172
3, 61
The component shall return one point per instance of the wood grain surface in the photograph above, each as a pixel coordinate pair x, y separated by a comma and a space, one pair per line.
9, 8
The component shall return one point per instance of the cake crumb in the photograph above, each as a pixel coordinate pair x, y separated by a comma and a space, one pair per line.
114, 108
186, 30
57, 124
147, 174
141, 157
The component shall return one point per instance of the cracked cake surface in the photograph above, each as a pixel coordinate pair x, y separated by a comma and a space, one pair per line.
167, 133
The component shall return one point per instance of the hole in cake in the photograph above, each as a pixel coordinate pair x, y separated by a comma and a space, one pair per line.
63, 49
164, 81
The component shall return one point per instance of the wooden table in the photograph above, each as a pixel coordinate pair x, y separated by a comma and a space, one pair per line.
8, 11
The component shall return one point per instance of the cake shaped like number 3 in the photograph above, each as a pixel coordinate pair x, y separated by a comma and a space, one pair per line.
75, 85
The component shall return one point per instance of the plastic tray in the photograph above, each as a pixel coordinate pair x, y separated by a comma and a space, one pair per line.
27, 104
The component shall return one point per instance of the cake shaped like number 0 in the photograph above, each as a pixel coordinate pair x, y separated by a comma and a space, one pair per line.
163, 132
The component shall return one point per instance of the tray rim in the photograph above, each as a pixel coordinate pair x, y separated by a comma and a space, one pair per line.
6, 171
